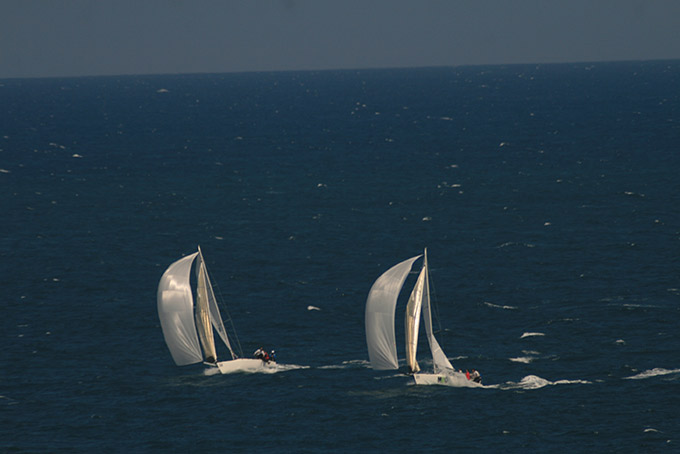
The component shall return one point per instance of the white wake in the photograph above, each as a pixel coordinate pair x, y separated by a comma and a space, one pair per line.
656, 372
535, 382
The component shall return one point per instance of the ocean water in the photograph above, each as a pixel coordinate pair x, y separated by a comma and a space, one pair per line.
547, 196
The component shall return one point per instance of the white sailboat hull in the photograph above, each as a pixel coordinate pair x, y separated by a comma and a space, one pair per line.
455, 379
243, 365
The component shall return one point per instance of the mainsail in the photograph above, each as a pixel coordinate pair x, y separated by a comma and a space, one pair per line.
415, 303
203, 324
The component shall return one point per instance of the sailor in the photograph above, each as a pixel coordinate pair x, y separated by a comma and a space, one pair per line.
259, 353
467, 374
476, 377
272, 355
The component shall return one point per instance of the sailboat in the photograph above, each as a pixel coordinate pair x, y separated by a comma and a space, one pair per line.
188, 327
380, 338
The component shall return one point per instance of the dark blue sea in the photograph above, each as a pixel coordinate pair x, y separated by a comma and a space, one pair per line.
548, 198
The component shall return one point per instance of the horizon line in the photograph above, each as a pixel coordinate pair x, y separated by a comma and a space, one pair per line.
317, 70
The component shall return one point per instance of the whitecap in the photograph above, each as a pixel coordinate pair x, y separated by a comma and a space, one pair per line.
512, 243
531, 335
8, 400
522, 359
496, 306
656, 372
4, 171
313, 308
348, 364
571, 382
533, 382
362, 362
445, 184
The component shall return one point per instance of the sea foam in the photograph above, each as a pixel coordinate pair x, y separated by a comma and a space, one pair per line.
656, 372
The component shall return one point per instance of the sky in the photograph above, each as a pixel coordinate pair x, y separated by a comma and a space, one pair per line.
57, 38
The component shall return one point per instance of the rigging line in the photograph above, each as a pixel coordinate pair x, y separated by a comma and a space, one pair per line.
220, 298
435, 306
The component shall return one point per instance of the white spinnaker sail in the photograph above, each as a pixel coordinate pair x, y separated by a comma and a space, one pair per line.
203, 324
380, 307
441, 362
412, 323
176, 312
